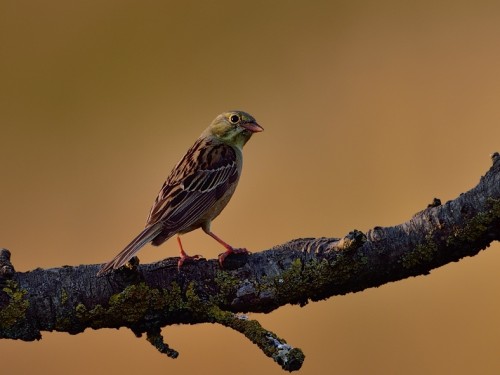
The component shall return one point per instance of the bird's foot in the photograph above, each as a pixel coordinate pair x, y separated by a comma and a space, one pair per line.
184, 258
230, 251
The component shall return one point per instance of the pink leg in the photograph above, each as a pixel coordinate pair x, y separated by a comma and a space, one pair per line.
183, 255
229, 248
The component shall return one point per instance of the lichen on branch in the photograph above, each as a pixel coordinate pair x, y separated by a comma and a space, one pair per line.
146, 298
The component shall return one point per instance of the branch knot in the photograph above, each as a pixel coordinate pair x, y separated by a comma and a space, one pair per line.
6, 268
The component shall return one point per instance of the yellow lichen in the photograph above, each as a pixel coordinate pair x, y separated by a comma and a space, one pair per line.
15, 310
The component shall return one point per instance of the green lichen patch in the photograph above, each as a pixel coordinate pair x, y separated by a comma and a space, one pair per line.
471, 232
218, 315
172, 298
421, 254
296, 281
141, 307
227, 285
348, 266
250, 328
15, 310
63, 324
290, 284
64, 296
194, 302
319, 271
317, 278
134, 301
130, 306
476, 226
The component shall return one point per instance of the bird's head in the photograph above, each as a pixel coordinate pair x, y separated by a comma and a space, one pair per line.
234, 128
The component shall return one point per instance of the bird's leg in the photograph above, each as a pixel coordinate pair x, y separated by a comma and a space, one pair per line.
183, 255
229, 248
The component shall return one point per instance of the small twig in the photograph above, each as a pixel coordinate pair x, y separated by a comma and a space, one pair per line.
155, 338
289, 358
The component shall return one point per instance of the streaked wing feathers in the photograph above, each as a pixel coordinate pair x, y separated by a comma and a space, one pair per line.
195, 184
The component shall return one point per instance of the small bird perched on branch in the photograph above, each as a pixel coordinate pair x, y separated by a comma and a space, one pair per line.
197, 189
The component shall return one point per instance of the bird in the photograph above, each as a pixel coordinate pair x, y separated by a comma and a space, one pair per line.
197, 189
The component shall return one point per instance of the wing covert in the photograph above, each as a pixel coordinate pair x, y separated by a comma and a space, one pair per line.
195, 185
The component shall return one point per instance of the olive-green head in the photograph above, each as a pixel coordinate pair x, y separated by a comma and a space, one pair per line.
234, 128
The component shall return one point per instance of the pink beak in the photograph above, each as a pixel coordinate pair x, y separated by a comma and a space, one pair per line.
253, 127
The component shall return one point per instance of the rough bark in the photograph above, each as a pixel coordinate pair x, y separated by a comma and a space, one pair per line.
147, 297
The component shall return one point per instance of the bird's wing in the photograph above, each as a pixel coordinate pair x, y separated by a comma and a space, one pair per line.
198, 181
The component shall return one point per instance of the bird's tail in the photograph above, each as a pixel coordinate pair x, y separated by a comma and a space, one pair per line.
133, 247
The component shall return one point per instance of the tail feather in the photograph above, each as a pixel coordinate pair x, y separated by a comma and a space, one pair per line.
133, 247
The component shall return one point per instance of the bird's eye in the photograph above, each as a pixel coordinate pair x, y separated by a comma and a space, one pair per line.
234, 119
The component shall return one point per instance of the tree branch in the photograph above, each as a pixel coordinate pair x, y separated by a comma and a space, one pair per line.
147, 297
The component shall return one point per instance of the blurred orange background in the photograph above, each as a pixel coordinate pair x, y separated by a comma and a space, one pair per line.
370, 110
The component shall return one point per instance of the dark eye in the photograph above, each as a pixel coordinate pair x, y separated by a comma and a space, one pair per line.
234, 119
